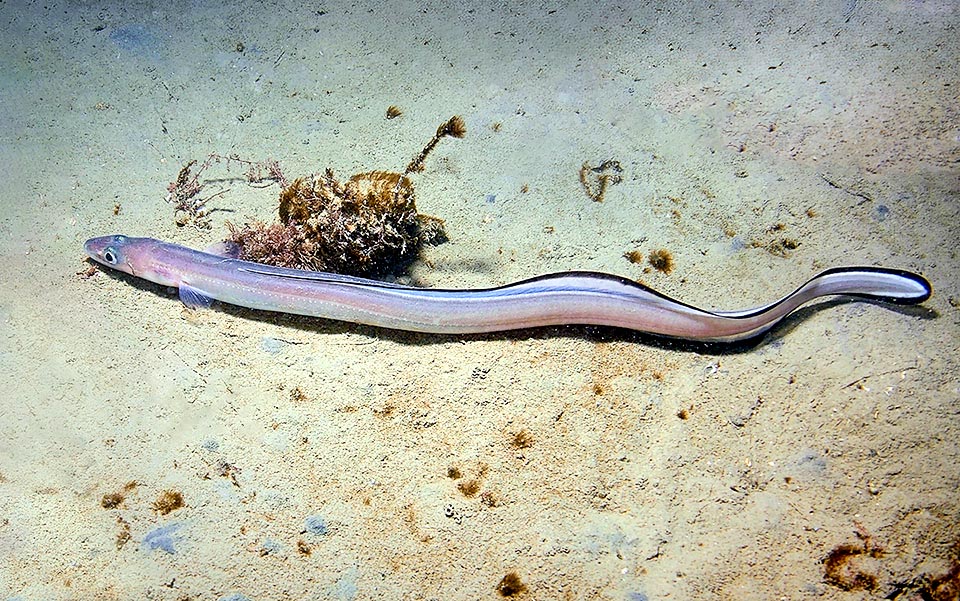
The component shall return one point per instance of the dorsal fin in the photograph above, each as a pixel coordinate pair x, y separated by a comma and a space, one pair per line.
227, 249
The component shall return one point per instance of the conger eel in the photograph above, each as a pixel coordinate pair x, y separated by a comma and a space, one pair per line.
571, 297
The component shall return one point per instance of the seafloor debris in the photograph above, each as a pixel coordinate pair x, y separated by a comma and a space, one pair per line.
184, 193
366, 225
852, 567
596, 180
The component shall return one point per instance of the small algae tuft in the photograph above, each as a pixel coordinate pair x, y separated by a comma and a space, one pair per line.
114, 500
661, 260
511, 585
111, 500
169, 500
469, 488
522, 439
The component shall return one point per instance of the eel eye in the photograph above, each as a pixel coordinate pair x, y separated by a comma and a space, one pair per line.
110, 256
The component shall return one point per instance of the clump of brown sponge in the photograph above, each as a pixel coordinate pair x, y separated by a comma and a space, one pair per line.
367, 225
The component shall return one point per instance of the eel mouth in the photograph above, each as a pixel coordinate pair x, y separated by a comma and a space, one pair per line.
95, 247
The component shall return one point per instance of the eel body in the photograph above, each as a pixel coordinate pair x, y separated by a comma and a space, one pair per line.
572, 297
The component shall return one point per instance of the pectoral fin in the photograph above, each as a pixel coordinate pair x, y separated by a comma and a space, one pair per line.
193, 298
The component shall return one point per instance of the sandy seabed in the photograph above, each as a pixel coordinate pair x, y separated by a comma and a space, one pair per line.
148, 452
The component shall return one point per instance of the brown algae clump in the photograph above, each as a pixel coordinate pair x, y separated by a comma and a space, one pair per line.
366, 225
